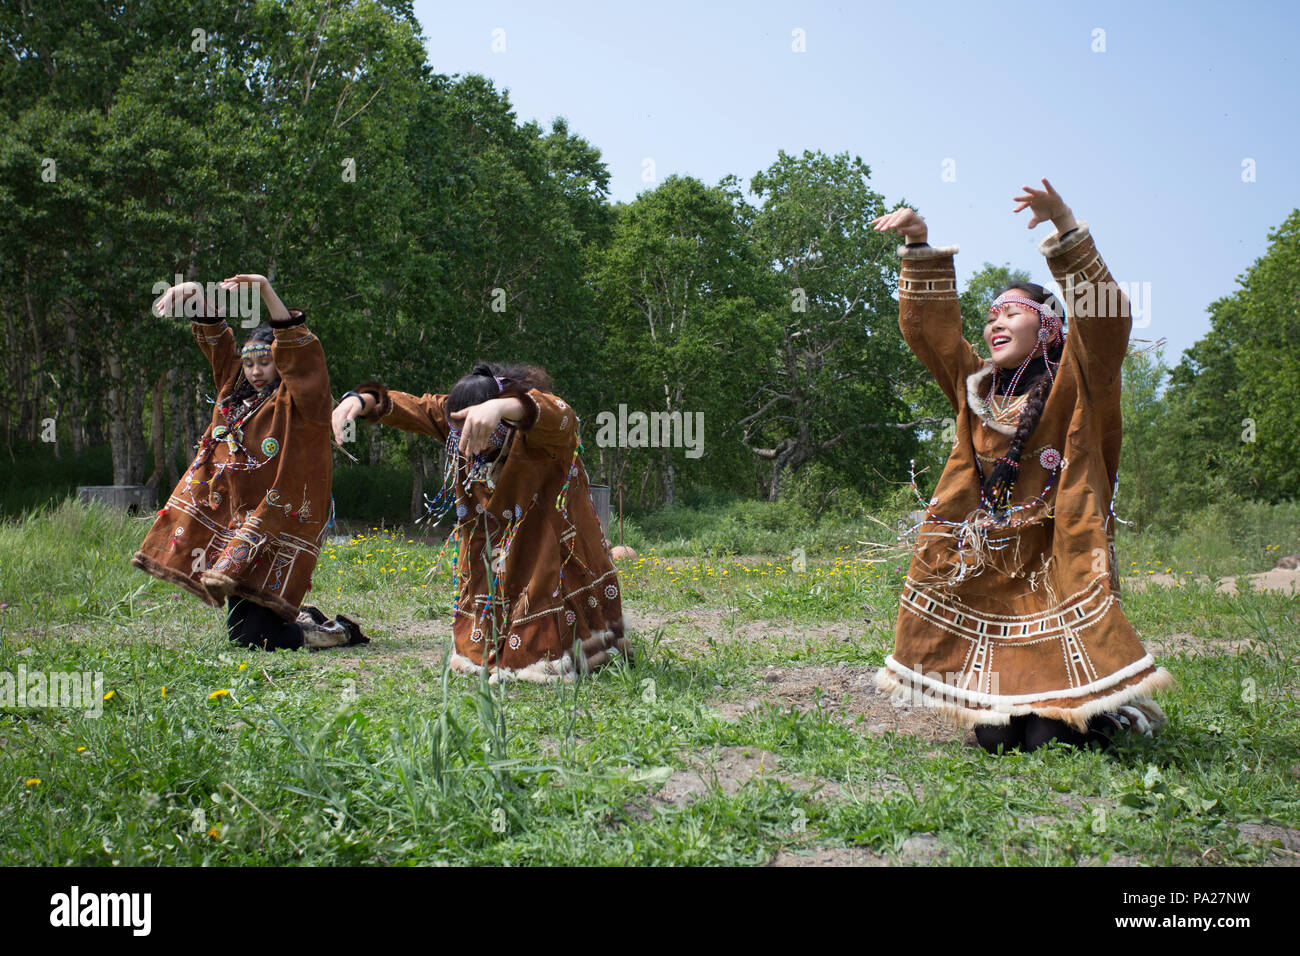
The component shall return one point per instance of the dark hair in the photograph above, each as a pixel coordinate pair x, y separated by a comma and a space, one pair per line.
243, 388
1037, 383
480, 384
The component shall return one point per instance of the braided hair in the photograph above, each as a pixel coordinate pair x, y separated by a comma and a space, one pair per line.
480, 385
1035, 381
243, 387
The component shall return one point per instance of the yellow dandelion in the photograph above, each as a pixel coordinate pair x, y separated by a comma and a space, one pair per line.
34, 781
214, 833
243, 667
164, 691
218, 693
80, 749
109, 695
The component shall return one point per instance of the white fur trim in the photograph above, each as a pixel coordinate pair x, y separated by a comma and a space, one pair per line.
543, 671
1053, 246
973, 382
926, 252
1138, 694
1004, 700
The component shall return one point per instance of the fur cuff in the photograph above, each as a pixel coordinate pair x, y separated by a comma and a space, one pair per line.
1053, 246
383, 401
296, 317
926, 252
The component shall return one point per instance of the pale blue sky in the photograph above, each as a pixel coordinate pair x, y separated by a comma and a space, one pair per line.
1145, 140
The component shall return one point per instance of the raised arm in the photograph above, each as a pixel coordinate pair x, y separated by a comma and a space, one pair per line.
376, 403
300, 362
1098, 309
299, 357
1100, 318
215, 338
929, 312
548, 421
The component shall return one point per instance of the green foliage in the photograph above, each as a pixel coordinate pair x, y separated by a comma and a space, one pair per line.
1234, 399
1144, 466
830, 394
683, 299
35, 478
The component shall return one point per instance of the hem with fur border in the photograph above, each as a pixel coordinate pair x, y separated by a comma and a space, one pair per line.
594, 653
222, 586
996, 715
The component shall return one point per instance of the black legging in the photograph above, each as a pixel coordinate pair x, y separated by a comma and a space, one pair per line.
254, 625
1029, 732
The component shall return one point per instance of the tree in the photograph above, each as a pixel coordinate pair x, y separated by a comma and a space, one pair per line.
832, 390
1143, 465
682, 295
1234, 398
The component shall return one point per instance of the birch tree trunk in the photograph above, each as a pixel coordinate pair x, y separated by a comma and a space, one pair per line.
117, 440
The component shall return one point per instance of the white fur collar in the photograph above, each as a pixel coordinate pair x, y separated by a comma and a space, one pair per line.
974, 383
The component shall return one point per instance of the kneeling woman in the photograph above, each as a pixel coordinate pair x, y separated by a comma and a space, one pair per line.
538, 596
245, 524
1010, 616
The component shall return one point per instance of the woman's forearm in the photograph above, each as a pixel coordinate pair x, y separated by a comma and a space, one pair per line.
278, 312
512, 409
1065, 222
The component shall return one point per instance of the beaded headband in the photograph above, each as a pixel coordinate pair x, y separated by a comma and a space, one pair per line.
255, 349
1051, 322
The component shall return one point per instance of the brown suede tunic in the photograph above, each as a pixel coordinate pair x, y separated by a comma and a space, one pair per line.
249, 515
557, 583
1024, 617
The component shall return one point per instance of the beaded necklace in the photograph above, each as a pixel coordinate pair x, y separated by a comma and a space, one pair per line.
232, 434
972, 533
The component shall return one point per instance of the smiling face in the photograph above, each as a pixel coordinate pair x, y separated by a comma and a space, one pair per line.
260, 370
1011, 334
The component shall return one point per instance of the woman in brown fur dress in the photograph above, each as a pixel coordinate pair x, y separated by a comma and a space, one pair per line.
1010, 616
538, 598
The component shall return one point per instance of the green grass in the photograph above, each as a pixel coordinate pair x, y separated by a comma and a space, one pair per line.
378, 755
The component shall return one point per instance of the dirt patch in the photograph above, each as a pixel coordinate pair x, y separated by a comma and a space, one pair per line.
1284, 842
1281, 580
405, 645
1278, 580
729, 769
1190, 645
691, 629
850, 691
1112, 860
916, 850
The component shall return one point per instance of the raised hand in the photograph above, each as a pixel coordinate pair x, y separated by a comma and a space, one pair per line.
1047, 206
172, 302
235, 281
905, 221
476, 424
344, 412
263, 285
